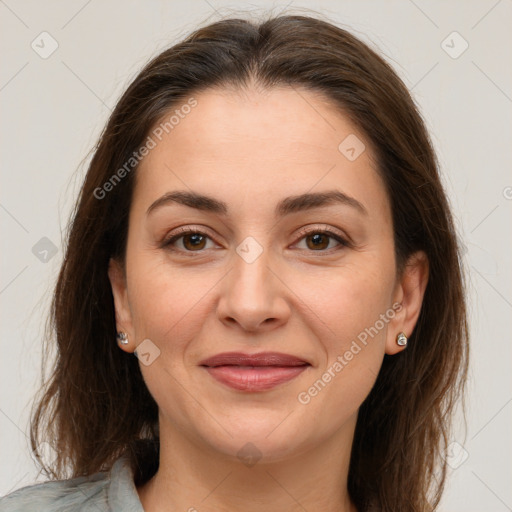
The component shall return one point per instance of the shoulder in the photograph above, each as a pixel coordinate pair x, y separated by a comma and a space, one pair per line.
106, 491
82, 493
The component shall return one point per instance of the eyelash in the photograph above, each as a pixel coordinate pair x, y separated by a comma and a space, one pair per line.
167, 243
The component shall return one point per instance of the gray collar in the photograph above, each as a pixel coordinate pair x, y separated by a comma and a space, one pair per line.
122, 493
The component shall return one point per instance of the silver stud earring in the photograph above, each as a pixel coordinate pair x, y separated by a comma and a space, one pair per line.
122, 338
401, 339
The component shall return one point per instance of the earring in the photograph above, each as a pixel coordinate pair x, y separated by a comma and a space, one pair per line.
122, 338
401, 339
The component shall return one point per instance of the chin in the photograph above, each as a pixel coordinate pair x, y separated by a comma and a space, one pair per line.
259, 444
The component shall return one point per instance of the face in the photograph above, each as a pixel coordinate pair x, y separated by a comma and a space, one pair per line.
263, 270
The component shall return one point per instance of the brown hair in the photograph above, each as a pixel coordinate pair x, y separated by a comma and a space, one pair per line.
95, 405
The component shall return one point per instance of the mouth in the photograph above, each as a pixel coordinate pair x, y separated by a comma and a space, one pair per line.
256, 372
253, 360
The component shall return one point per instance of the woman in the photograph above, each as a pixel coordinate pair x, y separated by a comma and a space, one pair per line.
263, 226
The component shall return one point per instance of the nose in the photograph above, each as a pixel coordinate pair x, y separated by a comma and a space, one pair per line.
253, 298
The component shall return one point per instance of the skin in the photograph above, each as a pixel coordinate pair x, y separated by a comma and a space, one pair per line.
251, 150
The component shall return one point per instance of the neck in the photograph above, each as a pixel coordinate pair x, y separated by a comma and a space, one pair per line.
193, 476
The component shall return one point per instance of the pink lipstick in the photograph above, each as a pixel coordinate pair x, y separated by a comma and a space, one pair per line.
254, 372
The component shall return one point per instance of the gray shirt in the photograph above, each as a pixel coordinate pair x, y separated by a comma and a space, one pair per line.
106, 491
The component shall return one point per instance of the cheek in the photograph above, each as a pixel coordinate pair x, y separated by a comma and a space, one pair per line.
166, 300
344, 301
349, 324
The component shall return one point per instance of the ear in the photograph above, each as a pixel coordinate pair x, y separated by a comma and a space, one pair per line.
117, 279
409, 293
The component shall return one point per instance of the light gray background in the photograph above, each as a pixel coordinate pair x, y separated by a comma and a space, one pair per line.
53, 110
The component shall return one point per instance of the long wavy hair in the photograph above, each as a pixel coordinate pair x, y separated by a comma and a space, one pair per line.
95, 406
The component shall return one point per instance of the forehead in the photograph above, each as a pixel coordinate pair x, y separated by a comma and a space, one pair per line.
254, 147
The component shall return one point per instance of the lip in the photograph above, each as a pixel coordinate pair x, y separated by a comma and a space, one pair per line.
260, 359
254, 372
254, 379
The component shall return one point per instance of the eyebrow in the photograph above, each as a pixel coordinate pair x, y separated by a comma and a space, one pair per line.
285, 207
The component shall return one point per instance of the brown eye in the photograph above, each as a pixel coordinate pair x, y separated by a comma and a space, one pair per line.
319, 240
192, 241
